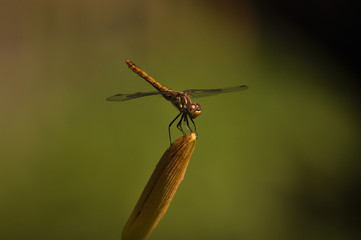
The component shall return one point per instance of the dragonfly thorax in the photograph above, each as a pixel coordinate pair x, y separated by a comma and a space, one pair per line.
183, 102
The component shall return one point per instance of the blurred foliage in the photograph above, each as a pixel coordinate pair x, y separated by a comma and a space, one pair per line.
278, 161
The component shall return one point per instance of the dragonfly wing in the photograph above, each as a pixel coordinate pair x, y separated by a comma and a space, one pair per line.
197, 93
124, 97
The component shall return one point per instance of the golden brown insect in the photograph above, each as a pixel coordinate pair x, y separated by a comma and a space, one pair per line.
181, 100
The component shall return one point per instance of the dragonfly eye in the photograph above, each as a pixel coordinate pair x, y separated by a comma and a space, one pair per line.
194, 110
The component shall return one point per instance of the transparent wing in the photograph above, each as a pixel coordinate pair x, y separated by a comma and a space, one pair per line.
124, 97
197, 93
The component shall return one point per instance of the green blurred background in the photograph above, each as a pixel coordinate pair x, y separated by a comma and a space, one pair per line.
278, 161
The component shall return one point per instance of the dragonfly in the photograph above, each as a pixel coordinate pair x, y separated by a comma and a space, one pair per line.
182, 100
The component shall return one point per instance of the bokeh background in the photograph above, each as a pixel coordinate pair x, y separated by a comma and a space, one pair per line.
278, 161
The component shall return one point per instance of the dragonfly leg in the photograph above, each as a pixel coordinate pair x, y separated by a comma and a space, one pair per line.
195, 128
179, 124
186, 123
170, 138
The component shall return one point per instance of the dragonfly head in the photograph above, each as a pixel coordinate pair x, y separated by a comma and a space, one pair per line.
194, 110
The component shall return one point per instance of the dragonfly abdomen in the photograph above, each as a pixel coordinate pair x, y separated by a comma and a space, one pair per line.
148, 78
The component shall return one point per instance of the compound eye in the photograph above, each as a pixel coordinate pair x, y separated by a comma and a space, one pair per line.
198, 107
192, 108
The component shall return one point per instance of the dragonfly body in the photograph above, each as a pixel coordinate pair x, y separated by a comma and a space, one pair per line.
180, 99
